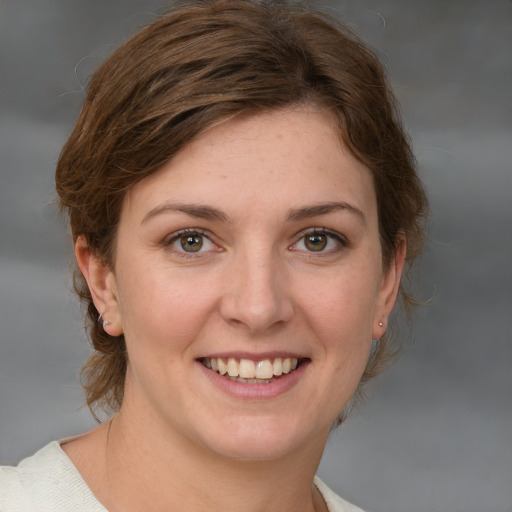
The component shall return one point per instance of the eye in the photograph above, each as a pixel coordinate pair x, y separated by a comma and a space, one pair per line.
316, 242
319, 241
191, 241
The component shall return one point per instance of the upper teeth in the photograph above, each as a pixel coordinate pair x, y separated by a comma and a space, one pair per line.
249, 369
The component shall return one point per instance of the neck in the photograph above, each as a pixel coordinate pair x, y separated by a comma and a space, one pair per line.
150, 467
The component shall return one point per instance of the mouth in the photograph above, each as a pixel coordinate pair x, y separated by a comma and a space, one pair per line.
248, 371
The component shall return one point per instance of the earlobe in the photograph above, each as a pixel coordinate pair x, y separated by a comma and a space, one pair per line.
102, 285
390, 287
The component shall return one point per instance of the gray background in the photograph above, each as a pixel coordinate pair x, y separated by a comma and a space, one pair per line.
436, 432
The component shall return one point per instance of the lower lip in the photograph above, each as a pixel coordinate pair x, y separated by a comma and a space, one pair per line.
255, 391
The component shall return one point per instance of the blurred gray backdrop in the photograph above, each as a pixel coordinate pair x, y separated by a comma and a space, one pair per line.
436, 431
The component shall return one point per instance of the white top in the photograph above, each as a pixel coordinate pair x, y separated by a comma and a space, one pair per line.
49, 482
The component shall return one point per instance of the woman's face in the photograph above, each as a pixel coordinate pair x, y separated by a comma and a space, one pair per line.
253, 251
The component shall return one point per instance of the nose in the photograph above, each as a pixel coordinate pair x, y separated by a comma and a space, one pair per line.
257, 293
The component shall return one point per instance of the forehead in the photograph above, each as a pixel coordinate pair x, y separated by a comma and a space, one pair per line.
280, 158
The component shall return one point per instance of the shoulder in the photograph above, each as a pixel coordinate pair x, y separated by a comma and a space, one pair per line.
46, 481
12, 496
334, 502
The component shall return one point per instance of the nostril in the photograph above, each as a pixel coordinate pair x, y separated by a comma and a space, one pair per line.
256, 299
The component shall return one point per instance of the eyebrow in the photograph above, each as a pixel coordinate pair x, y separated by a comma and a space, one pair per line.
297, 214
307, 212
194, 210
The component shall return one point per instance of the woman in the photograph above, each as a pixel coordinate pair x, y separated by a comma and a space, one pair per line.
243, 201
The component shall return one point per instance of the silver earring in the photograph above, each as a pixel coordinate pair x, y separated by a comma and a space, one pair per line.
381, 324
103, 322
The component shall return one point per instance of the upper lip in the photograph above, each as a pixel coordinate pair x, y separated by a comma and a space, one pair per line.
254, 357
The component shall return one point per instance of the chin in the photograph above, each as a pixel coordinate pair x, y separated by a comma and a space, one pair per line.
253, 440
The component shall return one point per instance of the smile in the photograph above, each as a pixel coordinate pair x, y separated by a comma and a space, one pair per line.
251, 372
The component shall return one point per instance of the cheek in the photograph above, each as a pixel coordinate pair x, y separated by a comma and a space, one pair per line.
342, 306
161, 310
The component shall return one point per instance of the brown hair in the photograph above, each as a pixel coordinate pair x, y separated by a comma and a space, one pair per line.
195, 67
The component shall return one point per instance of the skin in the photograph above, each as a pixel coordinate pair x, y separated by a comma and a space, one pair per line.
255, 289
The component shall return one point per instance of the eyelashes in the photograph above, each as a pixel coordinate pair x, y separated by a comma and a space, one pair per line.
190, 242
320, 241
194, 242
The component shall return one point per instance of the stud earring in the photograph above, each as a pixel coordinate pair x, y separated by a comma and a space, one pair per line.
103, 322
381, 324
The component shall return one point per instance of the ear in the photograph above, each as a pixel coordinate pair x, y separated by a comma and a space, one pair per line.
102, 285
389, 288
